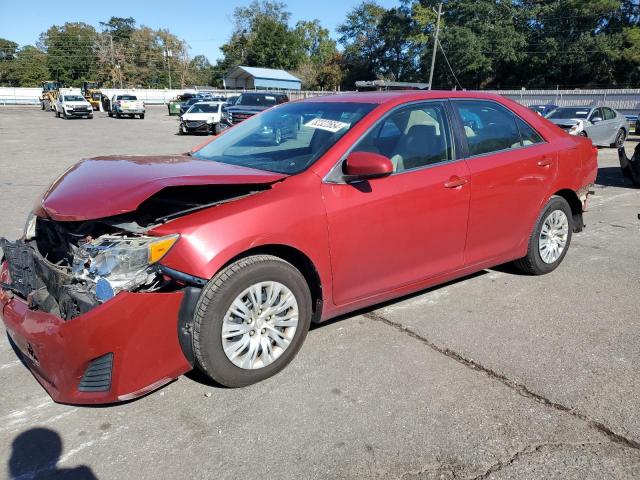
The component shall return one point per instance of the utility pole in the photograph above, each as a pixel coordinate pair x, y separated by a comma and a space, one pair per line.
435, 45
169, 54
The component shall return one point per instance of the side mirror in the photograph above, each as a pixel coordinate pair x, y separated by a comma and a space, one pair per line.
596, 119
365, 165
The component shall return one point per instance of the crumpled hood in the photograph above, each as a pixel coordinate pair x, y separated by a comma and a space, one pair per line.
106, 186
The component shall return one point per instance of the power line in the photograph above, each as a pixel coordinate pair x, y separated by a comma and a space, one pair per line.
447, 60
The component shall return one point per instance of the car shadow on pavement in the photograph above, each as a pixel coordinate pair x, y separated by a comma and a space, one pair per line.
378, 306
612, 177
35, 455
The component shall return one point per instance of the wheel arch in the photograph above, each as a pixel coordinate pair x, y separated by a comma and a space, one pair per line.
299, 260
576, 207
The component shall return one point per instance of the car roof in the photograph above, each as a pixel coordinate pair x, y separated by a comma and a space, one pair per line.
395, 96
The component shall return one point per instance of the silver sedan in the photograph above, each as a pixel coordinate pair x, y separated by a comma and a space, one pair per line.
603, 125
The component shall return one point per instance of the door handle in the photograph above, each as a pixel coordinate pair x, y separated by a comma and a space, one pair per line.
455, 182
545, 162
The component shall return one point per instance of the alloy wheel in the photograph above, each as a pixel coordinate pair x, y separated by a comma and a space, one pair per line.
259, 325
553, 236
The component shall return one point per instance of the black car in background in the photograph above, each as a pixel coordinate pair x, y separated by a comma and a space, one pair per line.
231, 101
250, 103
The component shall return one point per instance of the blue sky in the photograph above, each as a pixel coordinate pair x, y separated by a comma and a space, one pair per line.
204, 25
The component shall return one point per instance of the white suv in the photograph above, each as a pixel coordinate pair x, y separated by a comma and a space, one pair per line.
71, 103
202, 117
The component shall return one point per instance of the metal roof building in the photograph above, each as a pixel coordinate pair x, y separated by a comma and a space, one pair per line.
253, 78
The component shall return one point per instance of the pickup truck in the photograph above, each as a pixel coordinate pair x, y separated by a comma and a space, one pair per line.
251, 103
124, 104
72, 104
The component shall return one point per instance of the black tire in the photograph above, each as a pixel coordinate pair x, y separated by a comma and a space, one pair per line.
56, 113
142, 116
214, 301
621, 136
532, 263
583, 134
64, 115
217, 129
110, 114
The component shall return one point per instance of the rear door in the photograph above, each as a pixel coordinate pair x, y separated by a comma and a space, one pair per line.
511, 168
389, 232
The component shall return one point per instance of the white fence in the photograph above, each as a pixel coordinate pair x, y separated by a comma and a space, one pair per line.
624, 100
31, 96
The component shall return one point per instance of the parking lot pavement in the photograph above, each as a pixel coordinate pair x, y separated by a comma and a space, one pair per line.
497, 375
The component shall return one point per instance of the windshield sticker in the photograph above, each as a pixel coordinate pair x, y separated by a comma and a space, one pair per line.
332, 126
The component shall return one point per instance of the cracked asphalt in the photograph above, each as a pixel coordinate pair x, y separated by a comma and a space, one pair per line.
494, 376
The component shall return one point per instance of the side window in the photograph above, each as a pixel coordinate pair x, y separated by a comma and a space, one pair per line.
488, 127
527, 134
412, 137
596, 113
609, 114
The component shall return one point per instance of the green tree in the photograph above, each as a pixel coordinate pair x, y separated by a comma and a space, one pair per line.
70, 54
273, 45
7, 55
362, 41
28, 68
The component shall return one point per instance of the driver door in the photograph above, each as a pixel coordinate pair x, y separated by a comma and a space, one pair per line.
389, 232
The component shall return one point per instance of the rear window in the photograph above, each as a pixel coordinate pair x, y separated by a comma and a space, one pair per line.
126, 97
258, 99
204, 108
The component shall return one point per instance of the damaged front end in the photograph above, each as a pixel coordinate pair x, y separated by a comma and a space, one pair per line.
65, 271
67, 268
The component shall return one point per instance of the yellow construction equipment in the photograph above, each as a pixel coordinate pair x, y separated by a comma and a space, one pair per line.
91, 91
49, 95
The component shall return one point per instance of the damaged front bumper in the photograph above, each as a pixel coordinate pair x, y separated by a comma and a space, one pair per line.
110, 352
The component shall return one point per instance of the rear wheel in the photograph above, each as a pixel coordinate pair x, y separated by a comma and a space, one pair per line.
550, 239
251, 320
142, 116
583, 134
217, 129
277, 136
621, 136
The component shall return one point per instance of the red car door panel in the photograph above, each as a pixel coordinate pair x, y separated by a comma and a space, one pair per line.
507, 190
396, 230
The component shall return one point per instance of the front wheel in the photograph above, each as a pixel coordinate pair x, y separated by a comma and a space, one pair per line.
251, 320
142, 116
550, 239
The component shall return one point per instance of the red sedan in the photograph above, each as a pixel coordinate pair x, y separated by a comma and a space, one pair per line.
134, 270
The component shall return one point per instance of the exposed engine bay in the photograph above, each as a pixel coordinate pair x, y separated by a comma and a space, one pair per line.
68, 268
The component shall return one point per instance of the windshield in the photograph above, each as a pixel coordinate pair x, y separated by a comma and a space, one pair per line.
569, 112
127, 97
256, 99
286, 139
203, 108
73, 98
